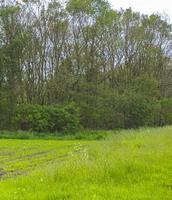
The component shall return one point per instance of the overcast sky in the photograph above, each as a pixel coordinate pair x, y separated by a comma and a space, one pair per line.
145, 6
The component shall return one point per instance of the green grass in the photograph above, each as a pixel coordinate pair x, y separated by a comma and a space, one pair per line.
80, 135
128, 165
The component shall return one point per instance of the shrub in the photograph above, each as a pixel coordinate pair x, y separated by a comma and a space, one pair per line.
47, 118
136, 110
166, 112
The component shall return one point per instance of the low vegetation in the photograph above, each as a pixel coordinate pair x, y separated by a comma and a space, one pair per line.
54, 118
128, 165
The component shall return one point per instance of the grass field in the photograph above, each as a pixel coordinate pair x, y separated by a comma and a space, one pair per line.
129, 165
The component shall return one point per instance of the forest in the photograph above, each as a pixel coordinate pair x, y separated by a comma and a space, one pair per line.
83, 64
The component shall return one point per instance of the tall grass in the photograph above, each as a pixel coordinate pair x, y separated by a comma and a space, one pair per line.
131, 165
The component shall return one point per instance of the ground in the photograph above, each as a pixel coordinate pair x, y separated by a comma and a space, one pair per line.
128, 165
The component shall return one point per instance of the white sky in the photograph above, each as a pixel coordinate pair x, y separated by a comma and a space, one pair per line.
145, 6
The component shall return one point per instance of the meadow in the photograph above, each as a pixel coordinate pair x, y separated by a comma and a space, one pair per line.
124, 165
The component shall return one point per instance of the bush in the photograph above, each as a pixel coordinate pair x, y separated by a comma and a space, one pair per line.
115, 111
109, 114
136, 110
166, 112
49, 118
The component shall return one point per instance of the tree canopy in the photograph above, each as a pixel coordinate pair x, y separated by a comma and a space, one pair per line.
114, 65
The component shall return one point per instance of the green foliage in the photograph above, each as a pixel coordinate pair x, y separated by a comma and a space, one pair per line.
147, 86
114, 65
166, 111
135, 110
131, 109
162, 112
128, 110
9, 10
53, 118
90, 7
109, 116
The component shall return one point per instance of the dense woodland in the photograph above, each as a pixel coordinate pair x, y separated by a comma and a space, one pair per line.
82, 64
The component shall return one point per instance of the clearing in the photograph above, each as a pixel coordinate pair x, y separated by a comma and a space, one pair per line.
129, 165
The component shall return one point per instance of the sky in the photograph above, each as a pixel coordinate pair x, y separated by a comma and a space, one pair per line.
145, 6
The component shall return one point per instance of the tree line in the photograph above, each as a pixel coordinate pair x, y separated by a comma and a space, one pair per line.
113, 67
